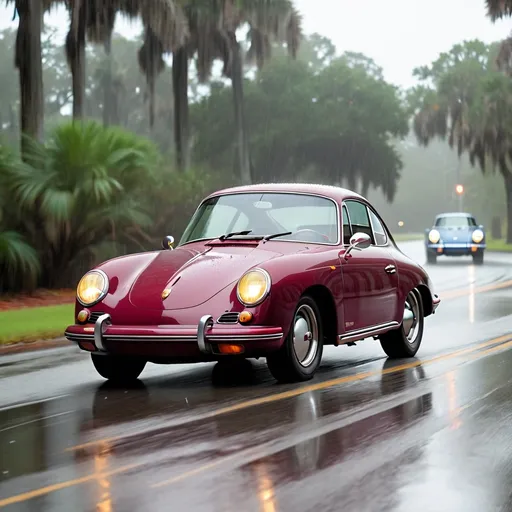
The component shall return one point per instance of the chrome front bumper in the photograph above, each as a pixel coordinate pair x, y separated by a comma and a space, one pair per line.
204, 334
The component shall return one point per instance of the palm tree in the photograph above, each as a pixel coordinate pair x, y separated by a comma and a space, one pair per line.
78, 192
216, 38
472, 105
19, 263
498, 9
29, 64
95, 19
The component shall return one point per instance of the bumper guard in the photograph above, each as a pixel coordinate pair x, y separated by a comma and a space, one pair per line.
204, 334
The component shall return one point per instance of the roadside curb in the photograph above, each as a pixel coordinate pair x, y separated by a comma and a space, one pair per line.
17, 348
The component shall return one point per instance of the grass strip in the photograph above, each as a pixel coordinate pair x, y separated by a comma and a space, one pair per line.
34, 324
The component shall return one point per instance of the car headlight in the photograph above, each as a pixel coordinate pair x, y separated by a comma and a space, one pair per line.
253, 287
434, 236
477, 236
92, 288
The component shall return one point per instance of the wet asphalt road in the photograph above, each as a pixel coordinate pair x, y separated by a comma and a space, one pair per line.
367, 434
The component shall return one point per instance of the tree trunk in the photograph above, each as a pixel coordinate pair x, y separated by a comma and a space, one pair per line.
152, 91
75, 50
237, 81
508, 188
181, 111
108, 96
29, 63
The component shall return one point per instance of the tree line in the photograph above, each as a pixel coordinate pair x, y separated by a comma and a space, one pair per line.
81, 191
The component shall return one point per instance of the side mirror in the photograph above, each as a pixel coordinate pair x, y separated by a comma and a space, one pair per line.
167, 243
358, 242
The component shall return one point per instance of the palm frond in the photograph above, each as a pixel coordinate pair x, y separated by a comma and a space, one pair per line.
18, 260
498, 9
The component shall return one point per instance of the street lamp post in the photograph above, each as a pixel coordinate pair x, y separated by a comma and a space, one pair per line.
459, 189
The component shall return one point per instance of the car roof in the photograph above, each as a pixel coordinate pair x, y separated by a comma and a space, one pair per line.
454, 214
330, 191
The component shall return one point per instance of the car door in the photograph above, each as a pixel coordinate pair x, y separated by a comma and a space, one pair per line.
370, 278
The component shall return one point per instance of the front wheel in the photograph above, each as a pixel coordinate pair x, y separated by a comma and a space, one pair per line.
118, 369
299, 357
406, 340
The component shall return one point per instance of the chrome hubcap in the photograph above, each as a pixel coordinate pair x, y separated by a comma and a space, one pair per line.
411, 318
305, 335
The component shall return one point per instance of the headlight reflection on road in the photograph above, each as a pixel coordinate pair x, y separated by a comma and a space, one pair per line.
266, 493
101, 467
453, 409
471, 296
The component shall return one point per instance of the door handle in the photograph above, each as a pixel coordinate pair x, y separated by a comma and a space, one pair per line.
390, 269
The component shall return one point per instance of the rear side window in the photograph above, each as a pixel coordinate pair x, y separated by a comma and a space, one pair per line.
359, 218
347, 231
378, 230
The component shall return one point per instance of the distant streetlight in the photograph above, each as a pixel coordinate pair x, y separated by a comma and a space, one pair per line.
401, 223
459, 189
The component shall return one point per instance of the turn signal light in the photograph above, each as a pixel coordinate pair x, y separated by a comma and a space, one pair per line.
230, 349
83, 316
244, 317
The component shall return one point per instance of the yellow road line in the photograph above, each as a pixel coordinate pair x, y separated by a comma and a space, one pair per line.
492, 350
505, 340
453, 294
211, 465
36, 493
321, 385
316, 387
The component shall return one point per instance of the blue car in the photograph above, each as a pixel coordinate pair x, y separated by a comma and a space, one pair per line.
455, 234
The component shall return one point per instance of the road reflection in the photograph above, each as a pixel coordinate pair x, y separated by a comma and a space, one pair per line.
101, 466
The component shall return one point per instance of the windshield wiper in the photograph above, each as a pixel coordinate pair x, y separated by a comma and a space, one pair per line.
235, 233
269, 237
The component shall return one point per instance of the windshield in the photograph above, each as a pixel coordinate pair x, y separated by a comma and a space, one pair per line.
308, 218
455, 222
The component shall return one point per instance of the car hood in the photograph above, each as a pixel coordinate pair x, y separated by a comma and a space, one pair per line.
450, 235
193, 276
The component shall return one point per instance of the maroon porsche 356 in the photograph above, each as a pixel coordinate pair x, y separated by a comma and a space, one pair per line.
274, 271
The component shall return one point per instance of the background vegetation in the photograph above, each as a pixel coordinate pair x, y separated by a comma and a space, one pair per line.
108, 144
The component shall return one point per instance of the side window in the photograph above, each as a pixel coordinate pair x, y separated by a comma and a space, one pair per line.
347, 230
359, 218
381, 237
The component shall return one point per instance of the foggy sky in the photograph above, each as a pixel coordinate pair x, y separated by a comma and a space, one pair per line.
398, 34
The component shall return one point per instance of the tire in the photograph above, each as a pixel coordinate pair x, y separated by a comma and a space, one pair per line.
297, 362
398, 343
118, 369
431, 258
478, 258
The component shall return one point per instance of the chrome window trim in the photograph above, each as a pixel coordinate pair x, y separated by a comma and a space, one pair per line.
368, 207
373, 228
339, 219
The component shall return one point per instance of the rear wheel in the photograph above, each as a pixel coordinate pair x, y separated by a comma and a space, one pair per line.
117, 368
299, 357
406, 340
478, 258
